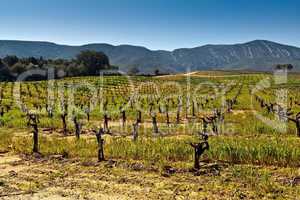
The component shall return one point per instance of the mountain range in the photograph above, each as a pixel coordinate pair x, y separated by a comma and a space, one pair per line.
259, 55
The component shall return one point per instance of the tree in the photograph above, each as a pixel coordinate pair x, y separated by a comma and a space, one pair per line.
10, 60
78, 126
4, 72
74, 69
135, 131
59, 61
284, 66
18, 68
296, 120
100, 142
33, 122
87, 63
156, 72
33, 60
1, 63
93, 61
63, 117
199, 149
133, 71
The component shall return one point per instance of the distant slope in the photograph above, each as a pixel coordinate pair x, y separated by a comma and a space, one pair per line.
255, 55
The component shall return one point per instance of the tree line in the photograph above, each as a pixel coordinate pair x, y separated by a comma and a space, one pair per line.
86, 63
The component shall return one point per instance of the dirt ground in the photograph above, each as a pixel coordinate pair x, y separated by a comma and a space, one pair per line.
35, 177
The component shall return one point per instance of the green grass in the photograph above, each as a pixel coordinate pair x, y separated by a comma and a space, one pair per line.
244, 138
238, 150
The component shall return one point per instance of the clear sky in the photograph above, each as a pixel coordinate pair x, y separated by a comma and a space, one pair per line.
156, 24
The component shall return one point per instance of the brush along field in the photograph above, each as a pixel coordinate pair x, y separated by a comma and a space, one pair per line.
150, 125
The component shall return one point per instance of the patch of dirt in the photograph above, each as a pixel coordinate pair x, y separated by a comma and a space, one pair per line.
9, 163
51, 178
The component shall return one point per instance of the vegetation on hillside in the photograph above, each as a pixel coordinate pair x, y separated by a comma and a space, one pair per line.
87, 63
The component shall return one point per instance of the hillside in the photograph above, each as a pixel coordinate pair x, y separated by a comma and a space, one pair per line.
255, 55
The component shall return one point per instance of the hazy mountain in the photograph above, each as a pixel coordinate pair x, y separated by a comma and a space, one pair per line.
255, 55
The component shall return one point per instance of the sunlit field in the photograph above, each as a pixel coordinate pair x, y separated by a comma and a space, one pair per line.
148, 125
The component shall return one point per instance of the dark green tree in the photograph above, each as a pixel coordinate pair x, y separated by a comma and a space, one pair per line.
1, 64
33, 60
10, 60
285, 66
93, 61
18, 68
4, 72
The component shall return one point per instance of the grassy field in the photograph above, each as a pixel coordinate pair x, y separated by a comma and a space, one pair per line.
254, 149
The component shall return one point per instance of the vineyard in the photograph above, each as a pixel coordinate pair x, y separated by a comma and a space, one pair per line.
186, 136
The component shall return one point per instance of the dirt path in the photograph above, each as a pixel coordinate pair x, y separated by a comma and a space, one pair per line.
198, 74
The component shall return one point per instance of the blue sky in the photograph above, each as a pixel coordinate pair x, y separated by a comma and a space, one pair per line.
156, 24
